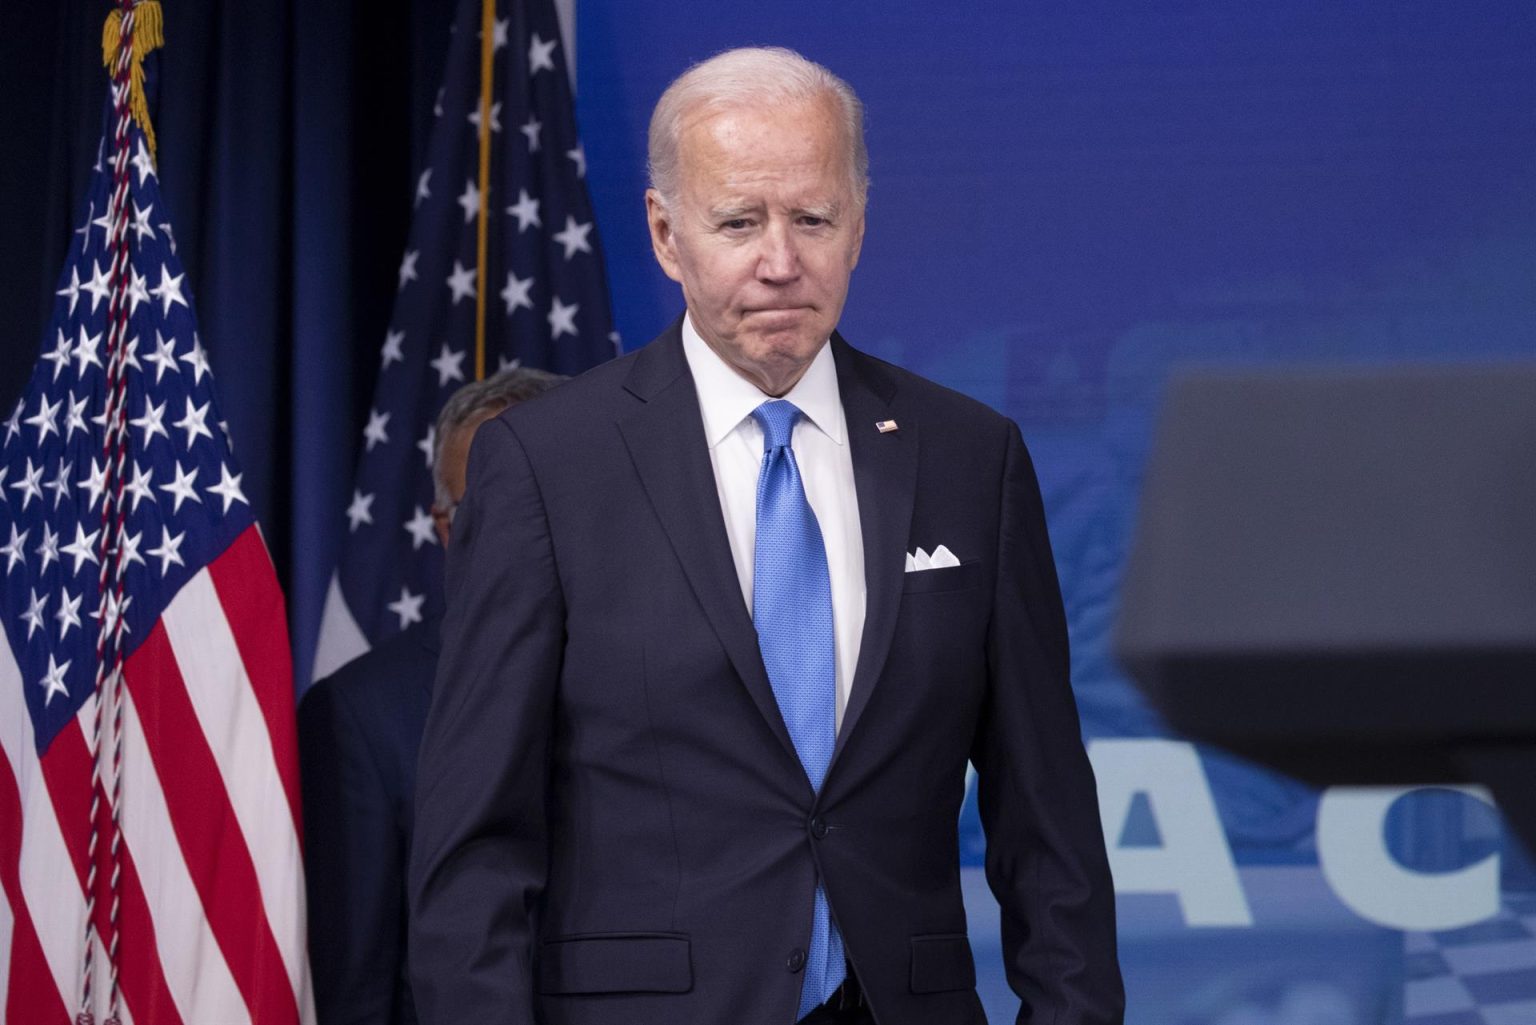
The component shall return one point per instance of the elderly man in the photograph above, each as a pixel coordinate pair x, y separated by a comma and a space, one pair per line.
359, 730
727, 619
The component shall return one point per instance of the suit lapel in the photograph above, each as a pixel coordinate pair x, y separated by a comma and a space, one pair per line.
665, 437
885, 480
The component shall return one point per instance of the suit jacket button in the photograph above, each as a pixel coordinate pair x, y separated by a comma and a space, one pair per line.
796, 960
818, 827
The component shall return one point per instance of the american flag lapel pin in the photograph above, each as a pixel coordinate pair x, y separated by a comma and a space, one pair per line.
885, 426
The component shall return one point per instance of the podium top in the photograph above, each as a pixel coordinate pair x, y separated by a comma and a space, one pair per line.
1340, 552
1342, 510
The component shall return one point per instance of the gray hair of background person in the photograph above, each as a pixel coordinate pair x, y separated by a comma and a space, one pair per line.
491, 395
752, 76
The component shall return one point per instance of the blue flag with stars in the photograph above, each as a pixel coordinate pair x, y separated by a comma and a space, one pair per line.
546, 303
180, 485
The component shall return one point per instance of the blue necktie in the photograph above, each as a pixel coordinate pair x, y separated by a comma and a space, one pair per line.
792, 610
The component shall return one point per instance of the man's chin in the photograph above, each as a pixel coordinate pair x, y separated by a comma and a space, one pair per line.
776, 363
788, 351
792, 338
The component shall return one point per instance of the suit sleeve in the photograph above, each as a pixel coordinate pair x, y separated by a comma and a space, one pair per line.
355, 865
1045, 857
479, 853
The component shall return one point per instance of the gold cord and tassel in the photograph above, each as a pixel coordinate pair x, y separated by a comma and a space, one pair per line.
148, 36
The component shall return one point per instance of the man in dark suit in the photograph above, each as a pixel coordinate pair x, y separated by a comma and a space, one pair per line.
726, 620
359, 731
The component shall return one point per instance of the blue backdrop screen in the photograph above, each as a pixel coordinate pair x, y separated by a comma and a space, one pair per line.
1071, 200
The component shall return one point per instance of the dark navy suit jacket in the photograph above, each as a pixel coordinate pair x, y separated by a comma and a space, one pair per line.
359, 731
612, 825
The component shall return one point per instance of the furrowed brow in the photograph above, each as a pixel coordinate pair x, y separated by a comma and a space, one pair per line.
825, 211
731, 211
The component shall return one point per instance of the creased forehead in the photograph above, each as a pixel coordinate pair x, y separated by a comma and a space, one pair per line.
742, 145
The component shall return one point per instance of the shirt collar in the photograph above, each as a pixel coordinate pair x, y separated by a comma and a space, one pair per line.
726, 398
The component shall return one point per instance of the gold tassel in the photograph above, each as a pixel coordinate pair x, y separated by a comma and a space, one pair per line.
148, 36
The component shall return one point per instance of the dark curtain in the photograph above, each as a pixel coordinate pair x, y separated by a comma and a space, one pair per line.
288, 137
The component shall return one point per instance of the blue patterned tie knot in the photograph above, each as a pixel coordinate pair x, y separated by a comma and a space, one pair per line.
792, 610
777, 418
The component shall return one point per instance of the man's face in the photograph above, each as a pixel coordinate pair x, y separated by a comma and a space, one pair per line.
763, 234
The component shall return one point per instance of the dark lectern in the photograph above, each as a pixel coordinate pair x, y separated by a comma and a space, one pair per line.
1334, 574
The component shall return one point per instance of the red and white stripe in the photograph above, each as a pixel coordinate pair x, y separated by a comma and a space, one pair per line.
212, 886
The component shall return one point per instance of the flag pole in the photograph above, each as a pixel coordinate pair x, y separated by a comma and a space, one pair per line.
482, 235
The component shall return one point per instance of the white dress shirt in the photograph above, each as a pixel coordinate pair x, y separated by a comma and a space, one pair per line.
820, 444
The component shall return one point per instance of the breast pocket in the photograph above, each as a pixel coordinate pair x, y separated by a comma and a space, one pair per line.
947, 578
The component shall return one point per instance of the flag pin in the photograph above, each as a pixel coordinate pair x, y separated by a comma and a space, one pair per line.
885, 426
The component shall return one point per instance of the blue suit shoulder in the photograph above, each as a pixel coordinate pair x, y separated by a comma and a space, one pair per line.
660, 362
571, 403
918, 392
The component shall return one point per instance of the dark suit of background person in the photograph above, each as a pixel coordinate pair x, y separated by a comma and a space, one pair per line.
359, 732
613, 824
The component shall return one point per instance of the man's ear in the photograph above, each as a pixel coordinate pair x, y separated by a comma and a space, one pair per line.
663, 238
442, 523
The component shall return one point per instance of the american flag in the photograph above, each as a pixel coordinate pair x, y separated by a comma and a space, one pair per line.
546, 304
142, 555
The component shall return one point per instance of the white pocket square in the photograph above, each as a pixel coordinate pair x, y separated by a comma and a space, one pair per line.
939, 559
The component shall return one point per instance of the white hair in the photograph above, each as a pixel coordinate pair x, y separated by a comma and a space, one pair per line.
757, 76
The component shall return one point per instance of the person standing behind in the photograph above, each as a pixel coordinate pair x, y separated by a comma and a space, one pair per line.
359, 731
727, 618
